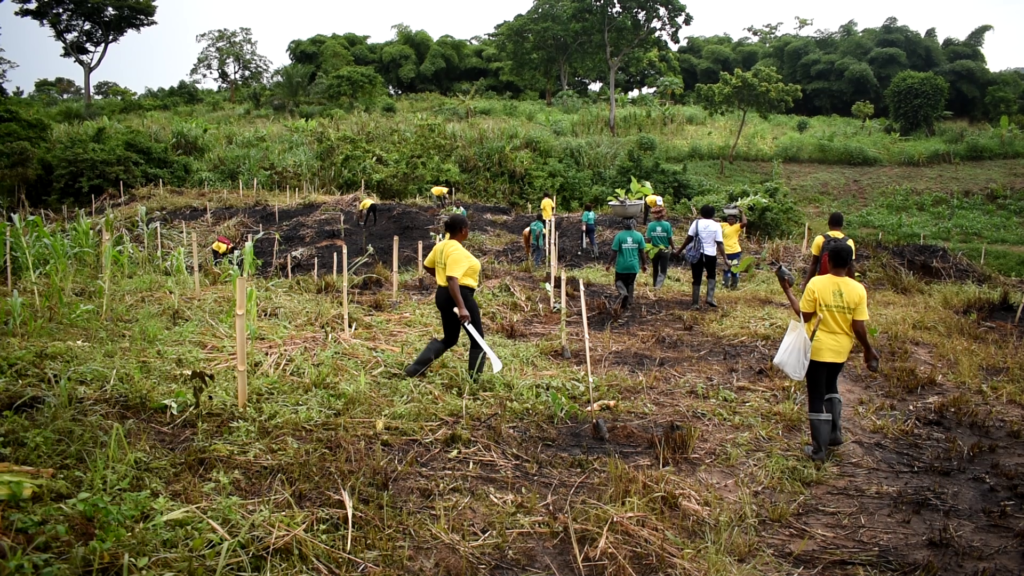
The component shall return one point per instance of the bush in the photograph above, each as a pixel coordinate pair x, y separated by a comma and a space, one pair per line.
803, 124
769, 209
916, 100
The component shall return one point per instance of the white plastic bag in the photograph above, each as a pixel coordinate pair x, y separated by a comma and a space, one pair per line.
794, 353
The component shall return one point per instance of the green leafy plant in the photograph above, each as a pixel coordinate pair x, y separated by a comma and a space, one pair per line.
637, 191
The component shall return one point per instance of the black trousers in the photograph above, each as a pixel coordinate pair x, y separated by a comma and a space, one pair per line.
629, 281
660, 263
707, 263
822, 380
453, 327
371, 210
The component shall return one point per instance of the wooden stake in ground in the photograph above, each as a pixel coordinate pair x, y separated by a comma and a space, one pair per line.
195, 261
807, 234
184, 233
122, 190
596, 429
253, 187
288, 194
334, 274
93, 205
1020, 309
344, 286
419, 263
273, 266
394, 272
159, 244
208, 219
7, 249
276, 220
289, 265
343, 225
240, 343
316, 268
983, 254
240, 194
565, 341
922, 237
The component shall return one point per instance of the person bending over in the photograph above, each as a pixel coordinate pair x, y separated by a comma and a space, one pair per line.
367, 207
538, 237
841, 304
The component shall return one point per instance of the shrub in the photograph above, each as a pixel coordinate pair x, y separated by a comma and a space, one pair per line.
916, 100
803, 124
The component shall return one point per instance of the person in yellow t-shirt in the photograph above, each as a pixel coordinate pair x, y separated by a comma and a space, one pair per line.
367, 207
819, 262
547, 207
458, 276
650, 202
841, 305
731, 232
440, 195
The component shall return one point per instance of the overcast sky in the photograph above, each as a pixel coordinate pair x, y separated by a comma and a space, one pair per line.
164, 54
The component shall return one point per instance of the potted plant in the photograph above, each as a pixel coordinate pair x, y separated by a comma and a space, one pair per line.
630, 203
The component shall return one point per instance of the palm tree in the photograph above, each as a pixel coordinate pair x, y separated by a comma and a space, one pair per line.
670, 88
292, 84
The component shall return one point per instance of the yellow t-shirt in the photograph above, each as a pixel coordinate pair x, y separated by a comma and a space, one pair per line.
450, 258
365, 204
731, 237
220, 247
547, 208
439, 190
838, 301
654, 200
819, 241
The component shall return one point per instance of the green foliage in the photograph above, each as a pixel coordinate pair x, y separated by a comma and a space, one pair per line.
349, 86
768, 206
230, 58
803, 124
916, 100
863, 111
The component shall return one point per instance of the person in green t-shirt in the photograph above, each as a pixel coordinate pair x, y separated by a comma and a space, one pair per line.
589, 229
659, 235
629, 258
537, 243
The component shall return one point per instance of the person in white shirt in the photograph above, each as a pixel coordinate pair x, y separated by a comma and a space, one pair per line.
709, 233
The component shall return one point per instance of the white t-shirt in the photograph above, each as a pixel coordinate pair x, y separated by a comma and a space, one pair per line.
710, 234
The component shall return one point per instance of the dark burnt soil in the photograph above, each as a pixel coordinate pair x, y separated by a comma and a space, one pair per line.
947, 497
934, 262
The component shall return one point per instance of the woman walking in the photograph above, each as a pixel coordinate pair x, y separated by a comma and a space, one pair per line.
458, 276
589, 228
731, 231
659, 240
709, 234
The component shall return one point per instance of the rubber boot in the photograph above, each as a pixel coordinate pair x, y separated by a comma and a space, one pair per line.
821, 429
735, 281
834, 406
477, 357
434, 350
711, 294
696, 296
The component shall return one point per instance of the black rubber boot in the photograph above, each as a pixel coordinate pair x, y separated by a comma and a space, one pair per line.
623, 301
735, 281
834, 406
477, 358
711, 294
821, 429
434, 350
696, 296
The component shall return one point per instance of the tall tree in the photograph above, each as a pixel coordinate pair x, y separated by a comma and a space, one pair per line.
87, 28
542, 44
628, 26
230, 58
916, 100
761, 90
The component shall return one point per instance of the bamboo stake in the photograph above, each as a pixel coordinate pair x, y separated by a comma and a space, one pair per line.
122, 189
334, 275
552, 291
922, 237
184, 233
1019, 310
273, 266
879, 237
161, 189
316, 268
807, 233
394, 271
343, 225
419, 259
159, 244
240, 195
253, 187
565, 342
240, 342
208, 218
289, 265
983, 254
344, 286
586, 346
7, 249
93, 205
276, 219
195, 261
288, 194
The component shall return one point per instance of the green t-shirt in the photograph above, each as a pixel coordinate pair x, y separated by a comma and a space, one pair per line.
627, 246
537, 233
589, 218
660, 234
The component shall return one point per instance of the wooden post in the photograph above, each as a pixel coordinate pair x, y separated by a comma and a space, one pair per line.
807, 234
394, 271
276, 219
195, 261
879, 237
93, 205
419, 259
240, 342
922, 237
289, 265
288, 194
208, 218
344, 286
161, 188
983, 254
552, 293
586, 346
184, 233
253, 187
334, 274
273, 266
565, 341
343, 225
122, 189
316, 268
7, 249
240, 195
1019, 310
159, 244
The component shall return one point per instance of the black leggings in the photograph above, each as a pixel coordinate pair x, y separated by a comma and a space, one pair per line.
822, 380
453, 327
708, 263
659, 263
629, 281
371, 210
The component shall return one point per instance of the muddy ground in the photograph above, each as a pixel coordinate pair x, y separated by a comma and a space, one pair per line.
945, 497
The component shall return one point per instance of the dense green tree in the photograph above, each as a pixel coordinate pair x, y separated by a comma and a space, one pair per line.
916, 100
87, 28
107, 89
543, 45
761, 91
863, 111
58, 87
1006, 96
230, 58
349, 86
291, 84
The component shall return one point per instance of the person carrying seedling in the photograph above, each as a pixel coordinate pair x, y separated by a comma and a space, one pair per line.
538, 236
629, 258
731, 231
367, 207
659, 236
440, 195
820, 264
458, 276
458, 209
706, 236
650, 202
841, 304
547, 207
589, 229
221, 248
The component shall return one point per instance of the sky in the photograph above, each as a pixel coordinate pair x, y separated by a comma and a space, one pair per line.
163, 54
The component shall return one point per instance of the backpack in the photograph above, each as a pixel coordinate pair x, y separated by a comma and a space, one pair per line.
826, 245
695, 251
